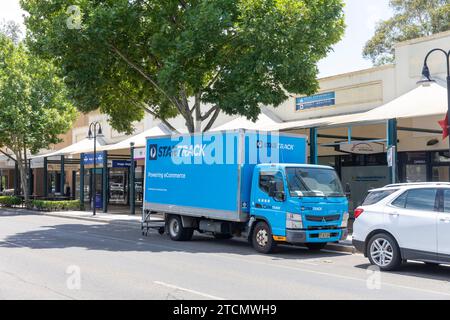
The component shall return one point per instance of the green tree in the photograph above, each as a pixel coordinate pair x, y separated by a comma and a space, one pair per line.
171, 57
34, 105
412, 19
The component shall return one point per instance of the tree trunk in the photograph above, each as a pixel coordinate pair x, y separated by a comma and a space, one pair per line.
22, 165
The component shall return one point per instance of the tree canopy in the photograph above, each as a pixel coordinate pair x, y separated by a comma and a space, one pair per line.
412, 19
170, 57
34, 105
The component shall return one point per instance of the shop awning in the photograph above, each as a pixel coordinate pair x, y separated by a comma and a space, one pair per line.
309, 123
422, 101
419, 102
265, 121
85, 145
139, 140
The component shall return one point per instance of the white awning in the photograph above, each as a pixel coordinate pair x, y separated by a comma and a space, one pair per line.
139, 140
309, 123
419, 102
265, 122
85, 145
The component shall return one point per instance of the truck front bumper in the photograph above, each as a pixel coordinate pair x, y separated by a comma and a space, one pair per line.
312, 236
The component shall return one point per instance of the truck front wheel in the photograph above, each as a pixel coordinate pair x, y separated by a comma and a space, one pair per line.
262, 239
176, 230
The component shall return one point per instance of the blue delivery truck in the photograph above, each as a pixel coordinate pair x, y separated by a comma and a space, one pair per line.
243, 183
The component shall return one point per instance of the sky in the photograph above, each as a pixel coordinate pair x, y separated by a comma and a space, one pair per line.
361, 19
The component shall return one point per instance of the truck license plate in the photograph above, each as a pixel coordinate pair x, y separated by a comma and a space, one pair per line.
324, 235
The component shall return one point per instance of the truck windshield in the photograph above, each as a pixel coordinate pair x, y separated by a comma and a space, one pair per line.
313, 182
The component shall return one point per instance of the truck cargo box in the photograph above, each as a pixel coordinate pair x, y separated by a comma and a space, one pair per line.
209, 175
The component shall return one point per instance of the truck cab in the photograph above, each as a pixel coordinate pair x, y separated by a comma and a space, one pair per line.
297, 204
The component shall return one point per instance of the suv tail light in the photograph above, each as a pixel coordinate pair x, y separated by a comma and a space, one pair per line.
358, 212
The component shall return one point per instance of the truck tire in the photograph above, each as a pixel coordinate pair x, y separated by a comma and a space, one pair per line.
176, 230
315, 246
262, 239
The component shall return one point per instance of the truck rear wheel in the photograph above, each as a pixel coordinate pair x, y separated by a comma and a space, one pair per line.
176, 230
262, 238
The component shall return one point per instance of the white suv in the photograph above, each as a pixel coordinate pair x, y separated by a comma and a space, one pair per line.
404, 222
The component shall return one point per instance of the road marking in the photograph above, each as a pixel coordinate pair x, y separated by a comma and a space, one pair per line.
171, 286
332, 275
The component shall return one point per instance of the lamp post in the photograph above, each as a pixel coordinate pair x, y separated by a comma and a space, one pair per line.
427, 80
95, 131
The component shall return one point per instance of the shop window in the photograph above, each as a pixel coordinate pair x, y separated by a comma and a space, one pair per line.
328, 161
416, 157
441, 157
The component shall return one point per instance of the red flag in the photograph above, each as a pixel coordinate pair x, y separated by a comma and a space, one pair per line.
444, 126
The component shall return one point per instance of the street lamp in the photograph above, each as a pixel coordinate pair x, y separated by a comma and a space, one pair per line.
95, 131
427, 80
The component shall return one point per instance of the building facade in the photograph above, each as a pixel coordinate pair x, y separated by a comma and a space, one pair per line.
423, 154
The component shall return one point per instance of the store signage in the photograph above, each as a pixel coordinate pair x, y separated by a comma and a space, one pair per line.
316, 101
363, 148
121, 164
391, 156
139, 154
37, 163
89, 158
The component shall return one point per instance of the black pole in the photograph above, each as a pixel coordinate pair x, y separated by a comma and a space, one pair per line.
62, 180
45, 182
427, 76
132, 181
94, 187
105, 178
448, 99
95, 130
82, 181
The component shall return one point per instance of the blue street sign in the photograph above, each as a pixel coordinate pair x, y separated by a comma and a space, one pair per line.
121, 164
315, 101
89, 158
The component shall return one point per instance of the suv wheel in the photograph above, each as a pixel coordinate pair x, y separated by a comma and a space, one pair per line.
383, 252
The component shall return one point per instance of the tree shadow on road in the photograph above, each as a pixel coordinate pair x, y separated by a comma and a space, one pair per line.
120, 238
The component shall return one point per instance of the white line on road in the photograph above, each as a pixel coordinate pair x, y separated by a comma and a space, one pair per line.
236, 257
187, 290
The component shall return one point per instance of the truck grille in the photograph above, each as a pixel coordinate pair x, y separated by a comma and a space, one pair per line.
323, 218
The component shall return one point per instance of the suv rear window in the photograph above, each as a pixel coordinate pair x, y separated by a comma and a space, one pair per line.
377, 196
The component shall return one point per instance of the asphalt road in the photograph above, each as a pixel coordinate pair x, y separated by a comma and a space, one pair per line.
45, 257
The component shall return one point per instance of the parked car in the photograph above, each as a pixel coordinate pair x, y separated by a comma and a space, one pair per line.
403, 222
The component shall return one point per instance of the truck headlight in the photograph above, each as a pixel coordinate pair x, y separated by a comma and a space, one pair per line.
345, 218
294, 221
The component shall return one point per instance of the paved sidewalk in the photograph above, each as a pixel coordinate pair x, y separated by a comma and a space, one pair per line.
135, 221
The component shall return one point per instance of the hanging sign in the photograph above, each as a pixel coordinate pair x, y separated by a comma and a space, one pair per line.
363, 148
391, 156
